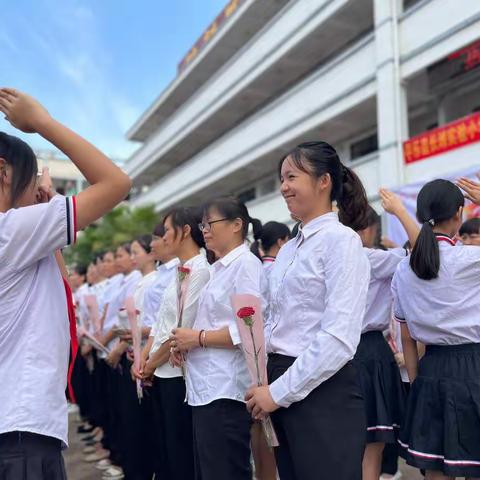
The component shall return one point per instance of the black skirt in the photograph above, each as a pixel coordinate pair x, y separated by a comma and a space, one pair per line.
323, 435
441, 430
25, 455
382, 388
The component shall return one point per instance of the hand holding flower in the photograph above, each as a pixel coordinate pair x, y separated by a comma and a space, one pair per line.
260, 402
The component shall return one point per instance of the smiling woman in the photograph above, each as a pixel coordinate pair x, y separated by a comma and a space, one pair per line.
318, 291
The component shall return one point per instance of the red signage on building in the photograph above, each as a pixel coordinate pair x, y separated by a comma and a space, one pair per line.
443, 139
226, 13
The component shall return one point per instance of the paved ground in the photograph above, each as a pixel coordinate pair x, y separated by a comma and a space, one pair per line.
77, 469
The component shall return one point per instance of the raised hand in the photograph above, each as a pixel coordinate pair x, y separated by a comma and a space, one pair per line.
471, 189
45, 190
391, 202
23, 111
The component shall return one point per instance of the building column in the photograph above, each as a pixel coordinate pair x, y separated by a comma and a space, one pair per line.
392, 107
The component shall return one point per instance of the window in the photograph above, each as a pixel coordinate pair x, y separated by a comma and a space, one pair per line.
364, 146
247, 195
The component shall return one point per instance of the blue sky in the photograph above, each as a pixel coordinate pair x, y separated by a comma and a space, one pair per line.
97, 64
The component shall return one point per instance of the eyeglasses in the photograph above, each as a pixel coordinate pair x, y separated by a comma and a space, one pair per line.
206, 227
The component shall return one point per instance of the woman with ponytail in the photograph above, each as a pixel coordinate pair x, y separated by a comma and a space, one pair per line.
271, 238
378, 373
173, 417
216, 371
318, 293
436, 300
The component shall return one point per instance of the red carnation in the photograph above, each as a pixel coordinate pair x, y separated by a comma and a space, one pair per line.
184, 270
246, 312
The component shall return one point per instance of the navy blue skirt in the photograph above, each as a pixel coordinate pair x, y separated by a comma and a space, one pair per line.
382, 388
441, 430
30, 456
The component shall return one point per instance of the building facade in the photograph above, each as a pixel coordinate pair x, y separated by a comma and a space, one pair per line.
392, 84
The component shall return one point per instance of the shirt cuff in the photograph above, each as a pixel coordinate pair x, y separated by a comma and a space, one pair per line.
234, 334
280, 393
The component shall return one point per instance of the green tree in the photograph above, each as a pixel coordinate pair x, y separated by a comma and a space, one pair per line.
120, 225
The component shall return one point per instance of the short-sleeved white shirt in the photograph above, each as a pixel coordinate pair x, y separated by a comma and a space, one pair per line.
221, 373
34, 324
444, 310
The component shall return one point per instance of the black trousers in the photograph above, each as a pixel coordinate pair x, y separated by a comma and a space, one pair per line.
137, 451
323, 436
221, 441
29, 456
175, 428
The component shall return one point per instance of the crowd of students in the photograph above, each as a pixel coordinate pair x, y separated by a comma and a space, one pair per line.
372, 351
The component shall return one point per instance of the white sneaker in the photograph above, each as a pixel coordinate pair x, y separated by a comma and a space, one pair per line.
113, 473
397, 476
103, 464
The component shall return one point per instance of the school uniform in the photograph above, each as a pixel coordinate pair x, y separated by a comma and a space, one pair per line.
217, 379
441, 430
152, 301
318, 294
378, 372
34, 339
174, 414
136, 446
268, 262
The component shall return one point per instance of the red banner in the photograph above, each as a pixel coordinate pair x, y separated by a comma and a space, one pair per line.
226, 13
443, 139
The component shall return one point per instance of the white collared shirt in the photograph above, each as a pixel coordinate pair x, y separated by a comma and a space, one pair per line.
445, 310
318, 294
139, 294
167, 318
34, 324
154, 294
217, 373
383, 264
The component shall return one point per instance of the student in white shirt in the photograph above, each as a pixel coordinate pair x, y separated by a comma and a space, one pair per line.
270, 238
173, 418
378, 372
134, 416
34, 320
318, 293
216, 370
436, 298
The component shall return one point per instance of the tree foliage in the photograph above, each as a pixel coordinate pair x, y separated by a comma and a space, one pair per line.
123, 224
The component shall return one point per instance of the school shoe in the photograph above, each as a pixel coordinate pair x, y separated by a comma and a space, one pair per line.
91, 449
113, 473
103, 464
97, 456
85, 428
397, 476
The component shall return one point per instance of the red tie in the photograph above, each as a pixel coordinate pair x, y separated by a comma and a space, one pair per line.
73, 337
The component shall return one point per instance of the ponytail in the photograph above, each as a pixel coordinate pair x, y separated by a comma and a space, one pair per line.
257, 229
438, 201
319, 158
352, 202
425, 257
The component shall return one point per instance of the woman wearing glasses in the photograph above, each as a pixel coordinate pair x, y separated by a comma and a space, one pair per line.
216, 371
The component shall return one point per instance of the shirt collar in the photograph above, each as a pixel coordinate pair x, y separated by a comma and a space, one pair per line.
193, 260
443, 238
315, 225
170, 264
233, 255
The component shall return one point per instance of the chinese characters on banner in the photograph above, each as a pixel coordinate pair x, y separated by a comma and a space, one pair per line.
443, 139
226, 13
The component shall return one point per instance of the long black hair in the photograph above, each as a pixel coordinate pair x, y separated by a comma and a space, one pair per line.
319, 158
268, 235
191, 216
438, 201
145, 242
232, 208
373, 219
23, 161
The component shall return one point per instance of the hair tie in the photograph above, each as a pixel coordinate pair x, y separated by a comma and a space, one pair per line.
432, 222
